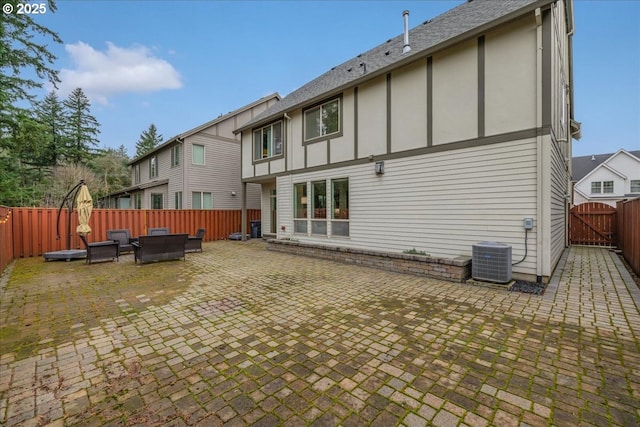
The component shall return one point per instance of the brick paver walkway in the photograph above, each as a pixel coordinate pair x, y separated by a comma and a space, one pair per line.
265, 339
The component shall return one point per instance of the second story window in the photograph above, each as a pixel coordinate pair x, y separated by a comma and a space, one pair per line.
153, 167
267, 141
136, 174
197, 154
175, 155
322, 120
601, 187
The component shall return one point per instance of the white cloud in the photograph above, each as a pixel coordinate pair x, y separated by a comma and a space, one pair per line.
116, 70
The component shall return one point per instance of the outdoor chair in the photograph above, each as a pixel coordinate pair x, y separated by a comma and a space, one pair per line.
123, 237
194, 243
157, 231
101, 251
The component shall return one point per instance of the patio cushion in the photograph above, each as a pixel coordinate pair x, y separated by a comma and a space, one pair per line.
123, 237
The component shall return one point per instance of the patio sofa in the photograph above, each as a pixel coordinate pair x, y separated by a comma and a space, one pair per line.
194, 243
101, 251
157, 231
123, 237
161, 247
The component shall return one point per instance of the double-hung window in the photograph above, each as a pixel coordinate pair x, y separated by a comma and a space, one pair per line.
635, 185
153, 167
175, 155
197, 154
157, 201
201, 200
136, 174
601, 187
322, 120
178, 200
267, 141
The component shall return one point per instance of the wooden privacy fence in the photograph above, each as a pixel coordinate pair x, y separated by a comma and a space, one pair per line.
628, 213
34, 230
593, 224
6, 237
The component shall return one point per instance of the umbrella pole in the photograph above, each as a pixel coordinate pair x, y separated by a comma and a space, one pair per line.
68, 199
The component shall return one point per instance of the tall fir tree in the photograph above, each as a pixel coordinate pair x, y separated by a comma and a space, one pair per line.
149, 139
81, 128
21, 53
52, 114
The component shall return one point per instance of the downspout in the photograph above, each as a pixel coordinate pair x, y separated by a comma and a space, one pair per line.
539, 180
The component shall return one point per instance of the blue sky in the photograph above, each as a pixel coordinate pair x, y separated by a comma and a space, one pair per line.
179, 64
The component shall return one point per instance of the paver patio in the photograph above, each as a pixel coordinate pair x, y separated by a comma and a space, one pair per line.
238, 335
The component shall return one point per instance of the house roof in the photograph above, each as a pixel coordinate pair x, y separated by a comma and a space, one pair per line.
583, 165
471, 17
180, 137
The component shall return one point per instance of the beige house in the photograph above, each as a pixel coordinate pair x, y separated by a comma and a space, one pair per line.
196, 169
451, 134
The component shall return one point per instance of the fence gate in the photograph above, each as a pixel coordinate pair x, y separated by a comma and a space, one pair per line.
593, 224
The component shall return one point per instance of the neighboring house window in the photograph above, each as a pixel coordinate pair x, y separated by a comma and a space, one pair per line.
319, 207
178, 200
267, 141
175, 155
601, 187
340, 207
137, 202
157, 201
153, 167
635, 185
201, 200
300, 208
136, 174
197, 154
322, 120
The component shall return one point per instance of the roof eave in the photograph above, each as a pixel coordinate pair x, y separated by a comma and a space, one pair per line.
411, 57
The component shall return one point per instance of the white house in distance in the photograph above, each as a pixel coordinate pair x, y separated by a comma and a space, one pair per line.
606, 178
452, 134
196, 169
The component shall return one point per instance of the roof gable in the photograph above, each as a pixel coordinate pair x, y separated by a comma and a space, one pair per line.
180, 137
430, 36
585, 166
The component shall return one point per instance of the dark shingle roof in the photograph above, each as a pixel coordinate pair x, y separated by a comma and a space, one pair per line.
581, 166
426, 38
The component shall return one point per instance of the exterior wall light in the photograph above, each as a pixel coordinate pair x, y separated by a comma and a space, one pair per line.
379, 168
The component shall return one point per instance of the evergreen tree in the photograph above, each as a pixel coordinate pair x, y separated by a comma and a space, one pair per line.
19, 53
51, 113
81, 128
111, 168
149, 139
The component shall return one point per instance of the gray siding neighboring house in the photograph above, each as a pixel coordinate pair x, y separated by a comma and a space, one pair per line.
451, 143
197, 169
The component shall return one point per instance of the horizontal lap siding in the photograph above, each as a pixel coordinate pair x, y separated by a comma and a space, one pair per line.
559, 180
441, 203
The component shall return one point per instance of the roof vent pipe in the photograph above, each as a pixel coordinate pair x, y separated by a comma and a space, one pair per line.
406, 48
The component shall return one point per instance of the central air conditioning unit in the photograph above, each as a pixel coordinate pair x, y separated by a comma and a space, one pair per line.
491, 262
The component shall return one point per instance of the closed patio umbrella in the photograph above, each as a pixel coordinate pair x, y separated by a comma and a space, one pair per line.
84, 203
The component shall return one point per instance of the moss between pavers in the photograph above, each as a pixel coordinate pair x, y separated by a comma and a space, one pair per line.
74, 297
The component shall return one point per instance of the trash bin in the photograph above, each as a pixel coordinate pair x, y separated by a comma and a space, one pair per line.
256, 230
